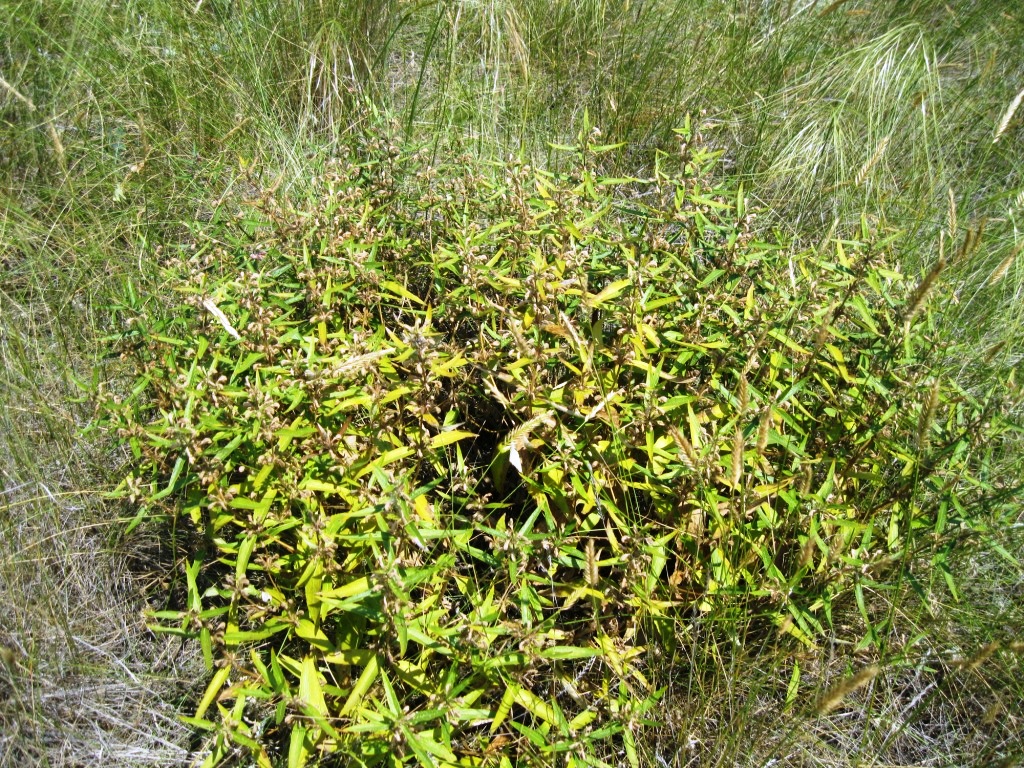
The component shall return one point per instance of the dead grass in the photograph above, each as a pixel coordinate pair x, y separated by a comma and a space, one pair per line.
82, 682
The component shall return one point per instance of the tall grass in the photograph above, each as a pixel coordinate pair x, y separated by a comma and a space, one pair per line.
123, 124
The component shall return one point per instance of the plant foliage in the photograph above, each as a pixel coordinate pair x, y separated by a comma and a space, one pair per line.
458, 445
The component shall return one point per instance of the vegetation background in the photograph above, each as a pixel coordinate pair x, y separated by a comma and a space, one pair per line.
124, 125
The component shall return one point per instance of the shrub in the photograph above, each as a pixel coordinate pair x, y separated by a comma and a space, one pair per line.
457, 444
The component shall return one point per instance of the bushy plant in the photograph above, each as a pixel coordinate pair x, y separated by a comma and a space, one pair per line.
457, 445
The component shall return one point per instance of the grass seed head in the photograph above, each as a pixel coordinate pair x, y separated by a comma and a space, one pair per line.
1004, 267
1008, 116
764, 431
737, 457
834, 696
920, 294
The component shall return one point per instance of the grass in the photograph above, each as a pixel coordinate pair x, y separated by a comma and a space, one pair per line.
124, 126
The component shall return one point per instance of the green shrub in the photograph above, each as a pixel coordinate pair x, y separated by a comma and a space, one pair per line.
456, 445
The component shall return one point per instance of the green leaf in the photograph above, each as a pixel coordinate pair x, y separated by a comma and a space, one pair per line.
793, 689
568, 652
298, 747
172, 482
629, 742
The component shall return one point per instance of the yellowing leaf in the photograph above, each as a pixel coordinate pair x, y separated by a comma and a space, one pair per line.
535, 706
400, 290
582, 720
358, 656
507, 700
386, 458
609, 292
348, 590
422, 506
309, 686
212, 690
362, 686
447, 438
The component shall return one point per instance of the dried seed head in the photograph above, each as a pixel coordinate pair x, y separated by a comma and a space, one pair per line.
1008, 116
737, 457
764, 431
862, 174
924, 423
917, 299
743, 393
984, 654
688, 455
834, 696
807, 553
593, 555
971, 240
1004, 267
951, 215
806, 477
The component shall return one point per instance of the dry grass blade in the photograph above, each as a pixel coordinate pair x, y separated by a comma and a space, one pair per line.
17, 94
221, 317
361, 361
